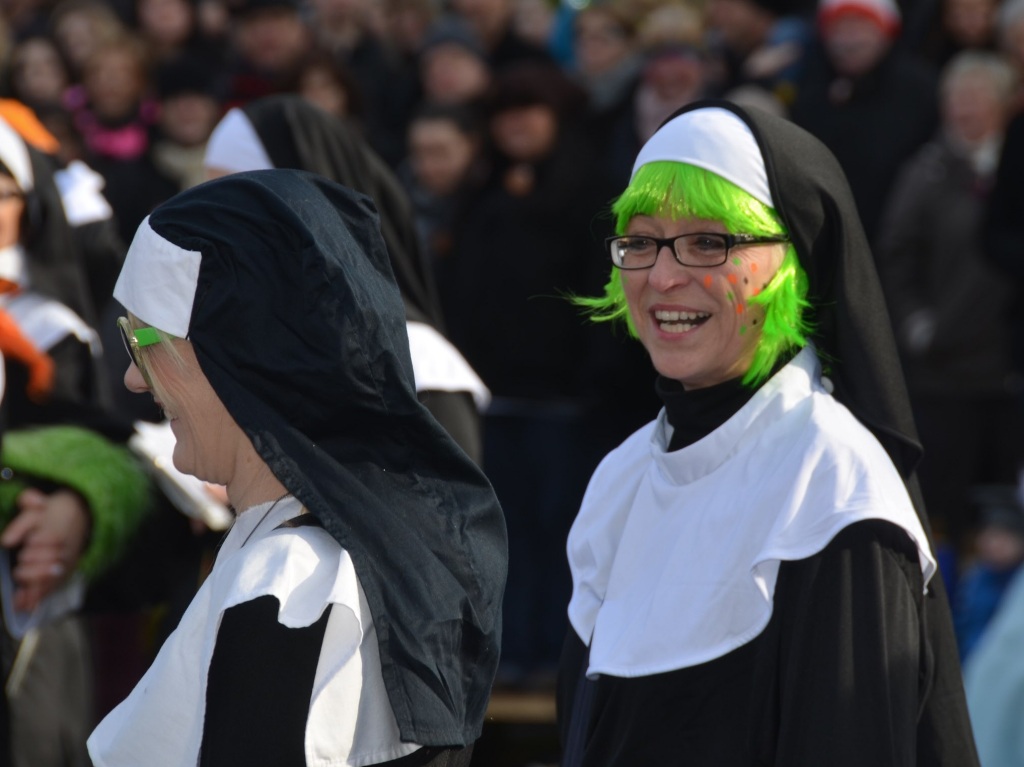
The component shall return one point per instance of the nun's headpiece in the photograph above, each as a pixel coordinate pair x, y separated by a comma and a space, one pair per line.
281, 281
787, 168
286, 131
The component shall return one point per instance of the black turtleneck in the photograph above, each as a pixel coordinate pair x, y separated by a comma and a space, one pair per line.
695, 413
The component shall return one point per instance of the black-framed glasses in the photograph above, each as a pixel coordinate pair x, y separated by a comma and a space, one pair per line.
633, 251
135, 339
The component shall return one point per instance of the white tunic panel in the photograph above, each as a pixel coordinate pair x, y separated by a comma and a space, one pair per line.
160, 724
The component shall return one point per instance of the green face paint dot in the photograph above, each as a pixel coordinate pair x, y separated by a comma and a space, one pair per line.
743, 329
735, 261
729, 295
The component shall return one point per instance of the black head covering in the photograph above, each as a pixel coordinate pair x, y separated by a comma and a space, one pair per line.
852, 330
298, 135
299, 328
855, 343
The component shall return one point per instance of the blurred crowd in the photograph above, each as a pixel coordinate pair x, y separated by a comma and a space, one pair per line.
510, 125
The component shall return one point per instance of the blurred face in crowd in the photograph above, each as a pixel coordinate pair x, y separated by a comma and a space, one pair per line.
407, 23
969, 22
12, 205
1012, 42
676, 77
189, 118
166, 22
489, 18
272, 39
855, 43
533, 20
81, 32
452, 74
972, 109
999, 548
525, 133
601, 42
336, 11
115, 80
319, 86
696, 322
37, 71
441, 154
742, 24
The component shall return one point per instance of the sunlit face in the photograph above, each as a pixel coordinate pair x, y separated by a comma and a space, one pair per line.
209, 444
12, 205
695, 322
440, 153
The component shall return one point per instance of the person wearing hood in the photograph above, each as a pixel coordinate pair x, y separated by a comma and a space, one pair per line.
753, 581
286, 131
352, 615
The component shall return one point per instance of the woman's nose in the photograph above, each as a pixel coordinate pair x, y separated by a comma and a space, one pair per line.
134, 381
667, 273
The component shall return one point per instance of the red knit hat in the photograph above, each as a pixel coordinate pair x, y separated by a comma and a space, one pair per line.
884, 13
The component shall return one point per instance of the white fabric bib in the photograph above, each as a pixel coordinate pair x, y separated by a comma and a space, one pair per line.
47, 322
160, 724
438, 366
674, 556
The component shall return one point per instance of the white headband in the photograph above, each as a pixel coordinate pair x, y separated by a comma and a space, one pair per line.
158, 281
234, 145
714, 139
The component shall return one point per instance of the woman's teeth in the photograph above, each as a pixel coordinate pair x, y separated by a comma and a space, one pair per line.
679, 322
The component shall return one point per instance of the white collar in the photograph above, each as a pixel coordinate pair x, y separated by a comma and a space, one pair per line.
675, 555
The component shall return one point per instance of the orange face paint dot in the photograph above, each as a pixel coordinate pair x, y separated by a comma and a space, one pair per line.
707, 280
753, 267
732, 279
739, 308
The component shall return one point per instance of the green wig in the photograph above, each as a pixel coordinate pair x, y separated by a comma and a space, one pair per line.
678, 190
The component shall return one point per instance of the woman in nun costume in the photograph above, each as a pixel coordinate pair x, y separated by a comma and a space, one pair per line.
753, 580
286, 131
352, 614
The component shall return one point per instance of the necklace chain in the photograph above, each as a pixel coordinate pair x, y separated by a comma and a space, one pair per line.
265, 515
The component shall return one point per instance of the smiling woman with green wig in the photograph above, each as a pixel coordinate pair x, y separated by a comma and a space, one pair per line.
752, 572
693, 192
